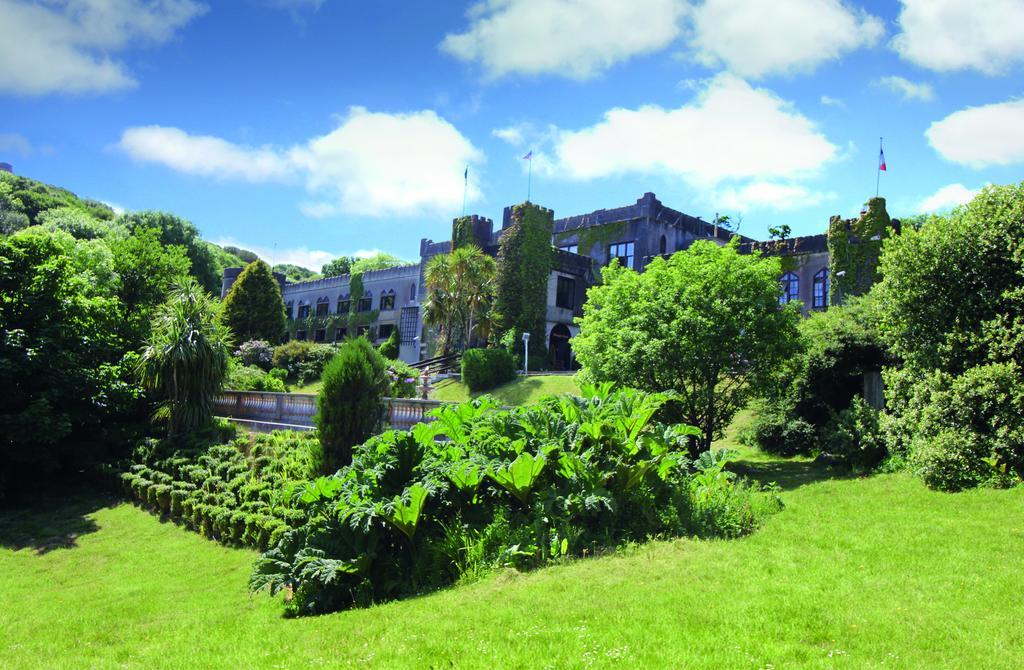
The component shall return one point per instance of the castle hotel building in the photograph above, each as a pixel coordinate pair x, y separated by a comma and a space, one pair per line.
635, 234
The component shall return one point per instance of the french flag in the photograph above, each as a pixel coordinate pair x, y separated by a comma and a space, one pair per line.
881, 160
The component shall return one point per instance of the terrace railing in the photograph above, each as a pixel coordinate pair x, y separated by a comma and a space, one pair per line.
267, 411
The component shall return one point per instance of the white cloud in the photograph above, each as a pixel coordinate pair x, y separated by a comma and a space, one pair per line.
981, 136
66, 45
947, 198
312, 259
761, 37
732, 131
907, 89
376, 164
372, 164
15, 143
770, 195
204, 155
513, 135
829, 101
573, 38
947, 35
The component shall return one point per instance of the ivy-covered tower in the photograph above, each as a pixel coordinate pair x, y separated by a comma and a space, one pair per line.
525, 257
854, 246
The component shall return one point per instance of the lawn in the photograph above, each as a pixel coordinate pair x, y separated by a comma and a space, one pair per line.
521, 391
868, 572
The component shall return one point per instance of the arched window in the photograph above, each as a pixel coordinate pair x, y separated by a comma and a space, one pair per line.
303, 311
387, 301
365, 303
819, 300
790, 288
323, 305
344, 304
662, 245
412, 292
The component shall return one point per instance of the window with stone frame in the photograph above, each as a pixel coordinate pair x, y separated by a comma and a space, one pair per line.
624, 251
565, 295
790, 284
362, 330
344, 305
387, 301
320, 334
365, 303
571, 248
303, 311
340, 333
300, 335
384, 330
819, 298
323, 306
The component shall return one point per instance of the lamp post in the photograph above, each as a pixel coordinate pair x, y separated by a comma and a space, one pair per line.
526, 354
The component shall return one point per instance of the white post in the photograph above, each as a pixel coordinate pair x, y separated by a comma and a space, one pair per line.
526, 354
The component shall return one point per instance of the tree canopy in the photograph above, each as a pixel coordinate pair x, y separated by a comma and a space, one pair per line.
254, 308
380, 261
177, 231
705, 323
338, 267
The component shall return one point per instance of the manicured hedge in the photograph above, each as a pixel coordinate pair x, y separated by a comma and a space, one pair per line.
234, 493
484, 369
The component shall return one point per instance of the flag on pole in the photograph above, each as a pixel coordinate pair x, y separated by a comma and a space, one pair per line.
528, 156
881, 160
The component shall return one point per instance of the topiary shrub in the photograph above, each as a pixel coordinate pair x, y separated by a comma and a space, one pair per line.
483, 369
389, 347
349, 407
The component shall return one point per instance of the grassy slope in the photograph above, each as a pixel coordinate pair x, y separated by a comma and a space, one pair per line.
521, 391
875, 572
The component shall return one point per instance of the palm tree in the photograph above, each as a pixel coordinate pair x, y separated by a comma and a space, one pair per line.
460, 286
186, 357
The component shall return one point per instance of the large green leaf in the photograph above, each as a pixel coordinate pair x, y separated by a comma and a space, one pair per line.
404, 512
520, 475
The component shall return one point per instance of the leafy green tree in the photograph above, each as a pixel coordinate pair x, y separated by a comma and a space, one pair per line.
65, 390
951, 295
254, 308
706, 324
296, 273
177, 231
379, 261
146, 271
186, 358
338, 267
349, 405
460, 286
244, 255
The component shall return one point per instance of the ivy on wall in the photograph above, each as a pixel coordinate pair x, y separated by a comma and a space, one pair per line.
854, 246
525, 258
350, 320
462, 232
602, 235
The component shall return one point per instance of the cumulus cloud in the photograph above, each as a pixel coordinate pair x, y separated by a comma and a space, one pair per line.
66, 46
981, 136
373, 163
946, 35
907, 89
829, 101
946, 198
770, 195
731, 131
573, 38
204, 155
311, 259
761, 37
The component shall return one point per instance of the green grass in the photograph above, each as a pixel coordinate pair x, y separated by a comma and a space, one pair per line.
870, 572
521, 391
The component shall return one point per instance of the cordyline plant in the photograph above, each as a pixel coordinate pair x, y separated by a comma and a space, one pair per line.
186, 358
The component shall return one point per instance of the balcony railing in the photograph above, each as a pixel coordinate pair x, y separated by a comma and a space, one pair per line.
295, 411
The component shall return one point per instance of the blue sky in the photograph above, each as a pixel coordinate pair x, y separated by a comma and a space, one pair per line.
319, 128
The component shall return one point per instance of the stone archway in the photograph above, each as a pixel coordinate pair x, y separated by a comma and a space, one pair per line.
558, 347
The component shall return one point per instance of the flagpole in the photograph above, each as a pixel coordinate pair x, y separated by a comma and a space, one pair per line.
878, 168
529, 177
465, 186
